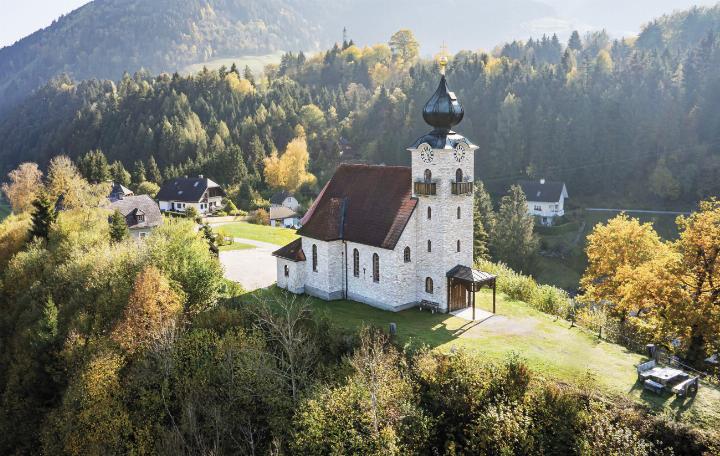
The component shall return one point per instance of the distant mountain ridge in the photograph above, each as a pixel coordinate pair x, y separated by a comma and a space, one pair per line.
104, 38
107, 37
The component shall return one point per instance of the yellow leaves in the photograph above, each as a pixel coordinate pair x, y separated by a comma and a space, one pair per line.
379, 74
289, 171
153, 308
24, 186
672, 287
239, 86
613, 251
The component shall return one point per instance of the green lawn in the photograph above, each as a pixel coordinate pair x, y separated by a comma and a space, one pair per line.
236, 246
263, 233
550, 347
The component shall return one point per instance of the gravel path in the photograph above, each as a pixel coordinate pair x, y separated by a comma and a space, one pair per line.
252, 268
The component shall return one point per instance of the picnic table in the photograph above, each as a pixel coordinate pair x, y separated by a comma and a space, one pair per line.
666, 375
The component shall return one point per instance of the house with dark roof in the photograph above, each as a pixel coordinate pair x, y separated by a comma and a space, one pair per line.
284, 199
183, 192
545, 199
390, 236
119, 191
141, 213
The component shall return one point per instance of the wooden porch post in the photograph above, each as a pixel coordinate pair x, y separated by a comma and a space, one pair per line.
473, 299
494, 284
449, 284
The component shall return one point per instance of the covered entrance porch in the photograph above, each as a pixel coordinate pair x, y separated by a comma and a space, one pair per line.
462, 284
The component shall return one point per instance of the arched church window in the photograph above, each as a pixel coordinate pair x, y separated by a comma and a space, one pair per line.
406, 254
428, 176
429, 213
458, 175
287, 271
429, 285
458, 245
356, 263
314, 257
376, 267
458, 212
429, 245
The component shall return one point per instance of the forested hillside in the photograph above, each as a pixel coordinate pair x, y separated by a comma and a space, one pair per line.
617, 122
106, 37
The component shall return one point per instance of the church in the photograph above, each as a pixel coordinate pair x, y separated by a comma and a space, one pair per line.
395, 237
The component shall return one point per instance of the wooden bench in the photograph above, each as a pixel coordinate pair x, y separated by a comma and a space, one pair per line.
431, 306
644, 369
653, 386
687, 388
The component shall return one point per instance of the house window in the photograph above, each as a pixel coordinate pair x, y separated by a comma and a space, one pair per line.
406, 254
458, 245
143, 235
314, 257
458, 212
356, 263
458, 175
287, 271
429, 245
140, 218
376, 268
538, 208
428, 176
429, 213
429, 285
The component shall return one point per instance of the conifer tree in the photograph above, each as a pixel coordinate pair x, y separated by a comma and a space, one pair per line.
153, 171
43, 217
575, 43
118, 227
119, 174
513, 241
139, 174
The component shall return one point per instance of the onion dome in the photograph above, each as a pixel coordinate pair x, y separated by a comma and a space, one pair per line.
443, 110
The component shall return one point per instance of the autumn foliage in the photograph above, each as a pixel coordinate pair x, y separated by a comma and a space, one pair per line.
153, 308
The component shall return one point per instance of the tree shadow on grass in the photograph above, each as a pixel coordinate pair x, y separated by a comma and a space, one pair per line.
415, 328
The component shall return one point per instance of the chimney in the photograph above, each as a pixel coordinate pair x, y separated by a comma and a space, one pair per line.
542, 181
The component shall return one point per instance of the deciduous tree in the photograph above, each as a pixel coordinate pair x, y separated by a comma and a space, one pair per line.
24, 186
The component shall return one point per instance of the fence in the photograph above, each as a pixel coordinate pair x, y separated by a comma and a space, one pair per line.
612, 333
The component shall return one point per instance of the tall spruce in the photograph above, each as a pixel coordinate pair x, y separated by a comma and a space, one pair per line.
43, 217
513, 240
483, 221
118, 227
153, 171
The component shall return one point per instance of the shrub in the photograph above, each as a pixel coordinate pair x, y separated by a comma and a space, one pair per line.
260, 217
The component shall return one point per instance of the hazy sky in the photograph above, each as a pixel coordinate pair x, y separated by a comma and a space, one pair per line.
20, 18
621, 17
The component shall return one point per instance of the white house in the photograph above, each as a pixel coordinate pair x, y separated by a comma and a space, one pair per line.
284, 216
183, 192
546, 200
284, 199
141, 213
394, 237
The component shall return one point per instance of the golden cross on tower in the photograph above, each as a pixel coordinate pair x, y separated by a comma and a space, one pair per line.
442, 58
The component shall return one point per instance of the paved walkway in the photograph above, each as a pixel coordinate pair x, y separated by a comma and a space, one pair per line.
252, 268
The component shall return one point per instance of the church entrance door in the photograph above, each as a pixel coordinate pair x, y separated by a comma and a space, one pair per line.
459, 297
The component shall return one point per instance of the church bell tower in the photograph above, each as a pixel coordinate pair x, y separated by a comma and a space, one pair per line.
443, 175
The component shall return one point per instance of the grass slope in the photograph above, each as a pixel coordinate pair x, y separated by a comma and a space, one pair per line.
263, 233
550, 347
236, 246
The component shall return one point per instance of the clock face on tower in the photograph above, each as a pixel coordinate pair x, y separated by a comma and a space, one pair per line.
460, 151
426, 152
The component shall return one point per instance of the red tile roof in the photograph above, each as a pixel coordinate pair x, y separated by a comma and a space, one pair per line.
366, 204
293, 251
